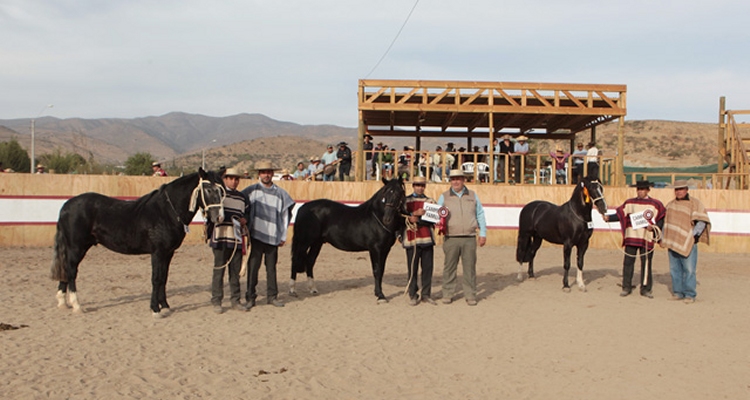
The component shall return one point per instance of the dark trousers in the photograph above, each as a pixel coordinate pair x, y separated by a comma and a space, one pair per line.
344, 170
593, 170
425, 254
628, 265
221, 256
257, 252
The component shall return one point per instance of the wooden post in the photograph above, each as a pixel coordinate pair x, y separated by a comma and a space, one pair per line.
361, 170
722, 134
619, 163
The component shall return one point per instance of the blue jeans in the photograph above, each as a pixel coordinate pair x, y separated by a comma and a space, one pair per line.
682, 270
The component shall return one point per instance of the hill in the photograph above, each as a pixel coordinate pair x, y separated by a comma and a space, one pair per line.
180, 139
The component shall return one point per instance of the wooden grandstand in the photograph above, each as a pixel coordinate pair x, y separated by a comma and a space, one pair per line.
449, 109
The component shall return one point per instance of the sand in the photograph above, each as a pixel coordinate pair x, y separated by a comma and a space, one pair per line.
527, 340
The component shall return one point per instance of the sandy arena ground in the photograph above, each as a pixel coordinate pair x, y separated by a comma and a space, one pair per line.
526, 340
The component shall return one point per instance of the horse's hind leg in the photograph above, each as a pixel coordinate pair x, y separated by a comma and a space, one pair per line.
567, 249
62, 290
312, 257
536, 243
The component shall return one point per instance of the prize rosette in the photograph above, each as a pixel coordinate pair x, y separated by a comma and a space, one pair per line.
443, 213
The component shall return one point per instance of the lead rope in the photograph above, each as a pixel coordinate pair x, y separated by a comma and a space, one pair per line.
410, 226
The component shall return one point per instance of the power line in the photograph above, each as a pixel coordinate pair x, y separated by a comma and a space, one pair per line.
394, 40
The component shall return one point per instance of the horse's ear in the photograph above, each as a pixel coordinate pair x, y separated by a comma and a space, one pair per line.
202, 173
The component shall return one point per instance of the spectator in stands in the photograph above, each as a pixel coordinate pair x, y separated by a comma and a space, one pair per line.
155, 167
520, 150
577, 157
344, 155
301, 173
560, 159
592, 161
367, 148
329, 161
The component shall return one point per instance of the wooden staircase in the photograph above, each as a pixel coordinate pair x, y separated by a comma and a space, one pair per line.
736, 148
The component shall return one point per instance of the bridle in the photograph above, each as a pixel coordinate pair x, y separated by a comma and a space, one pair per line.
396, 206
205, 206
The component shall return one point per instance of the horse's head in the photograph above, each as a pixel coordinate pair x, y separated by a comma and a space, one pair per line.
592, 191
393, 199
209, 195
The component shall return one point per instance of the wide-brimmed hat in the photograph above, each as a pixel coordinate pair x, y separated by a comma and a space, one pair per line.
419, 179
315, 159
643, 185
343, 144
457, 173
153, 164
232, 172
679, 184
522, 138
39, 166
265, 166
284, 172
505, 137
368, 136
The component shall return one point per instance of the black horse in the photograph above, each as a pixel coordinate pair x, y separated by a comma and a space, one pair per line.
569, 225
155, 224
371, 226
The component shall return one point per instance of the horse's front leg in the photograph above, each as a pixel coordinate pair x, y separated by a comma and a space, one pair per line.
580, 252
159, 273
567, 249
378, 269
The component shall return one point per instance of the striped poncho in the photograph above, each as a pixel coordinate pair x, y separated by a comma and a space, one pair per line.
679, 222
270, 212
639, 237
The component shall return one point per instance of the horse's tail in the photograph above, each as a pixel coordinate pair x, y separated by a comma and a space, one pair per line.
524, 235
57, 271
522, 247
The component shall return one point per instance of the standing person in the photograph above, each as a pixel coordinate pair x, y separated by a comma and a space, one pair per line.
344, 155
577, 157
156, 168
377, 156
505, 148
520, 149
419, 243
301, 173
386, 160
638, 238
685, 224
592, 161
225, 239
466, 216
315, 169
367, 148
329, 161
270, 213
560, 159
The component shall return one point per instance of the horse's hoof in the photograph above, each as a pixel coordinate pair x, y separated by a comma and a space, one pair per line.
566, 289
78, 310
293, 294
63, 306
382, 300
158, 315
519, 277
314, 291
166, 311
582, 288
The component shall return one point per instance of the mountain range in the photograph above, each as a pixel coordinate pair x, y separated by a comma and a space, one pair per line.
184, 139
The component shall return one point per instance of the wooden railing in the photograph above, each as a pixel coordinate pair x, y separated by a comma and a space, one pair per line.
538, 169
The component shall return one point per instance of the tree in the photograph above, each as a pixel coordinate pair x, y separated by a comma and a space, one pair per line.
62, 163
14, 156
139, 164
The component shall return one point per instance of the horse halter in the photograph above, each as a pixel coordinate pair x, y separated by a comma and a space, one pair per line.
199, 190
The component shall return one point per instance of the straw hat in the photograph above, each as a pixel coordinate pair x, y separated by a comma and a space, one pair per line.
284, 172
679, 184
153, 164
522, 138
39, 166
419, 179
505, 137
457, 173
232, 172
264, 166
558, 150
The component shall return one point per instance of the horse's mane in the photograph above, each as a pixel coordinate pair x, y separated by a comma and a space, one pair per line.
372, 200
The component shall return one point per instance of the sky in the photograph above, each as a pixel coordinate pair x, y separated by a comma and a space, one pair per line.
300, 60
